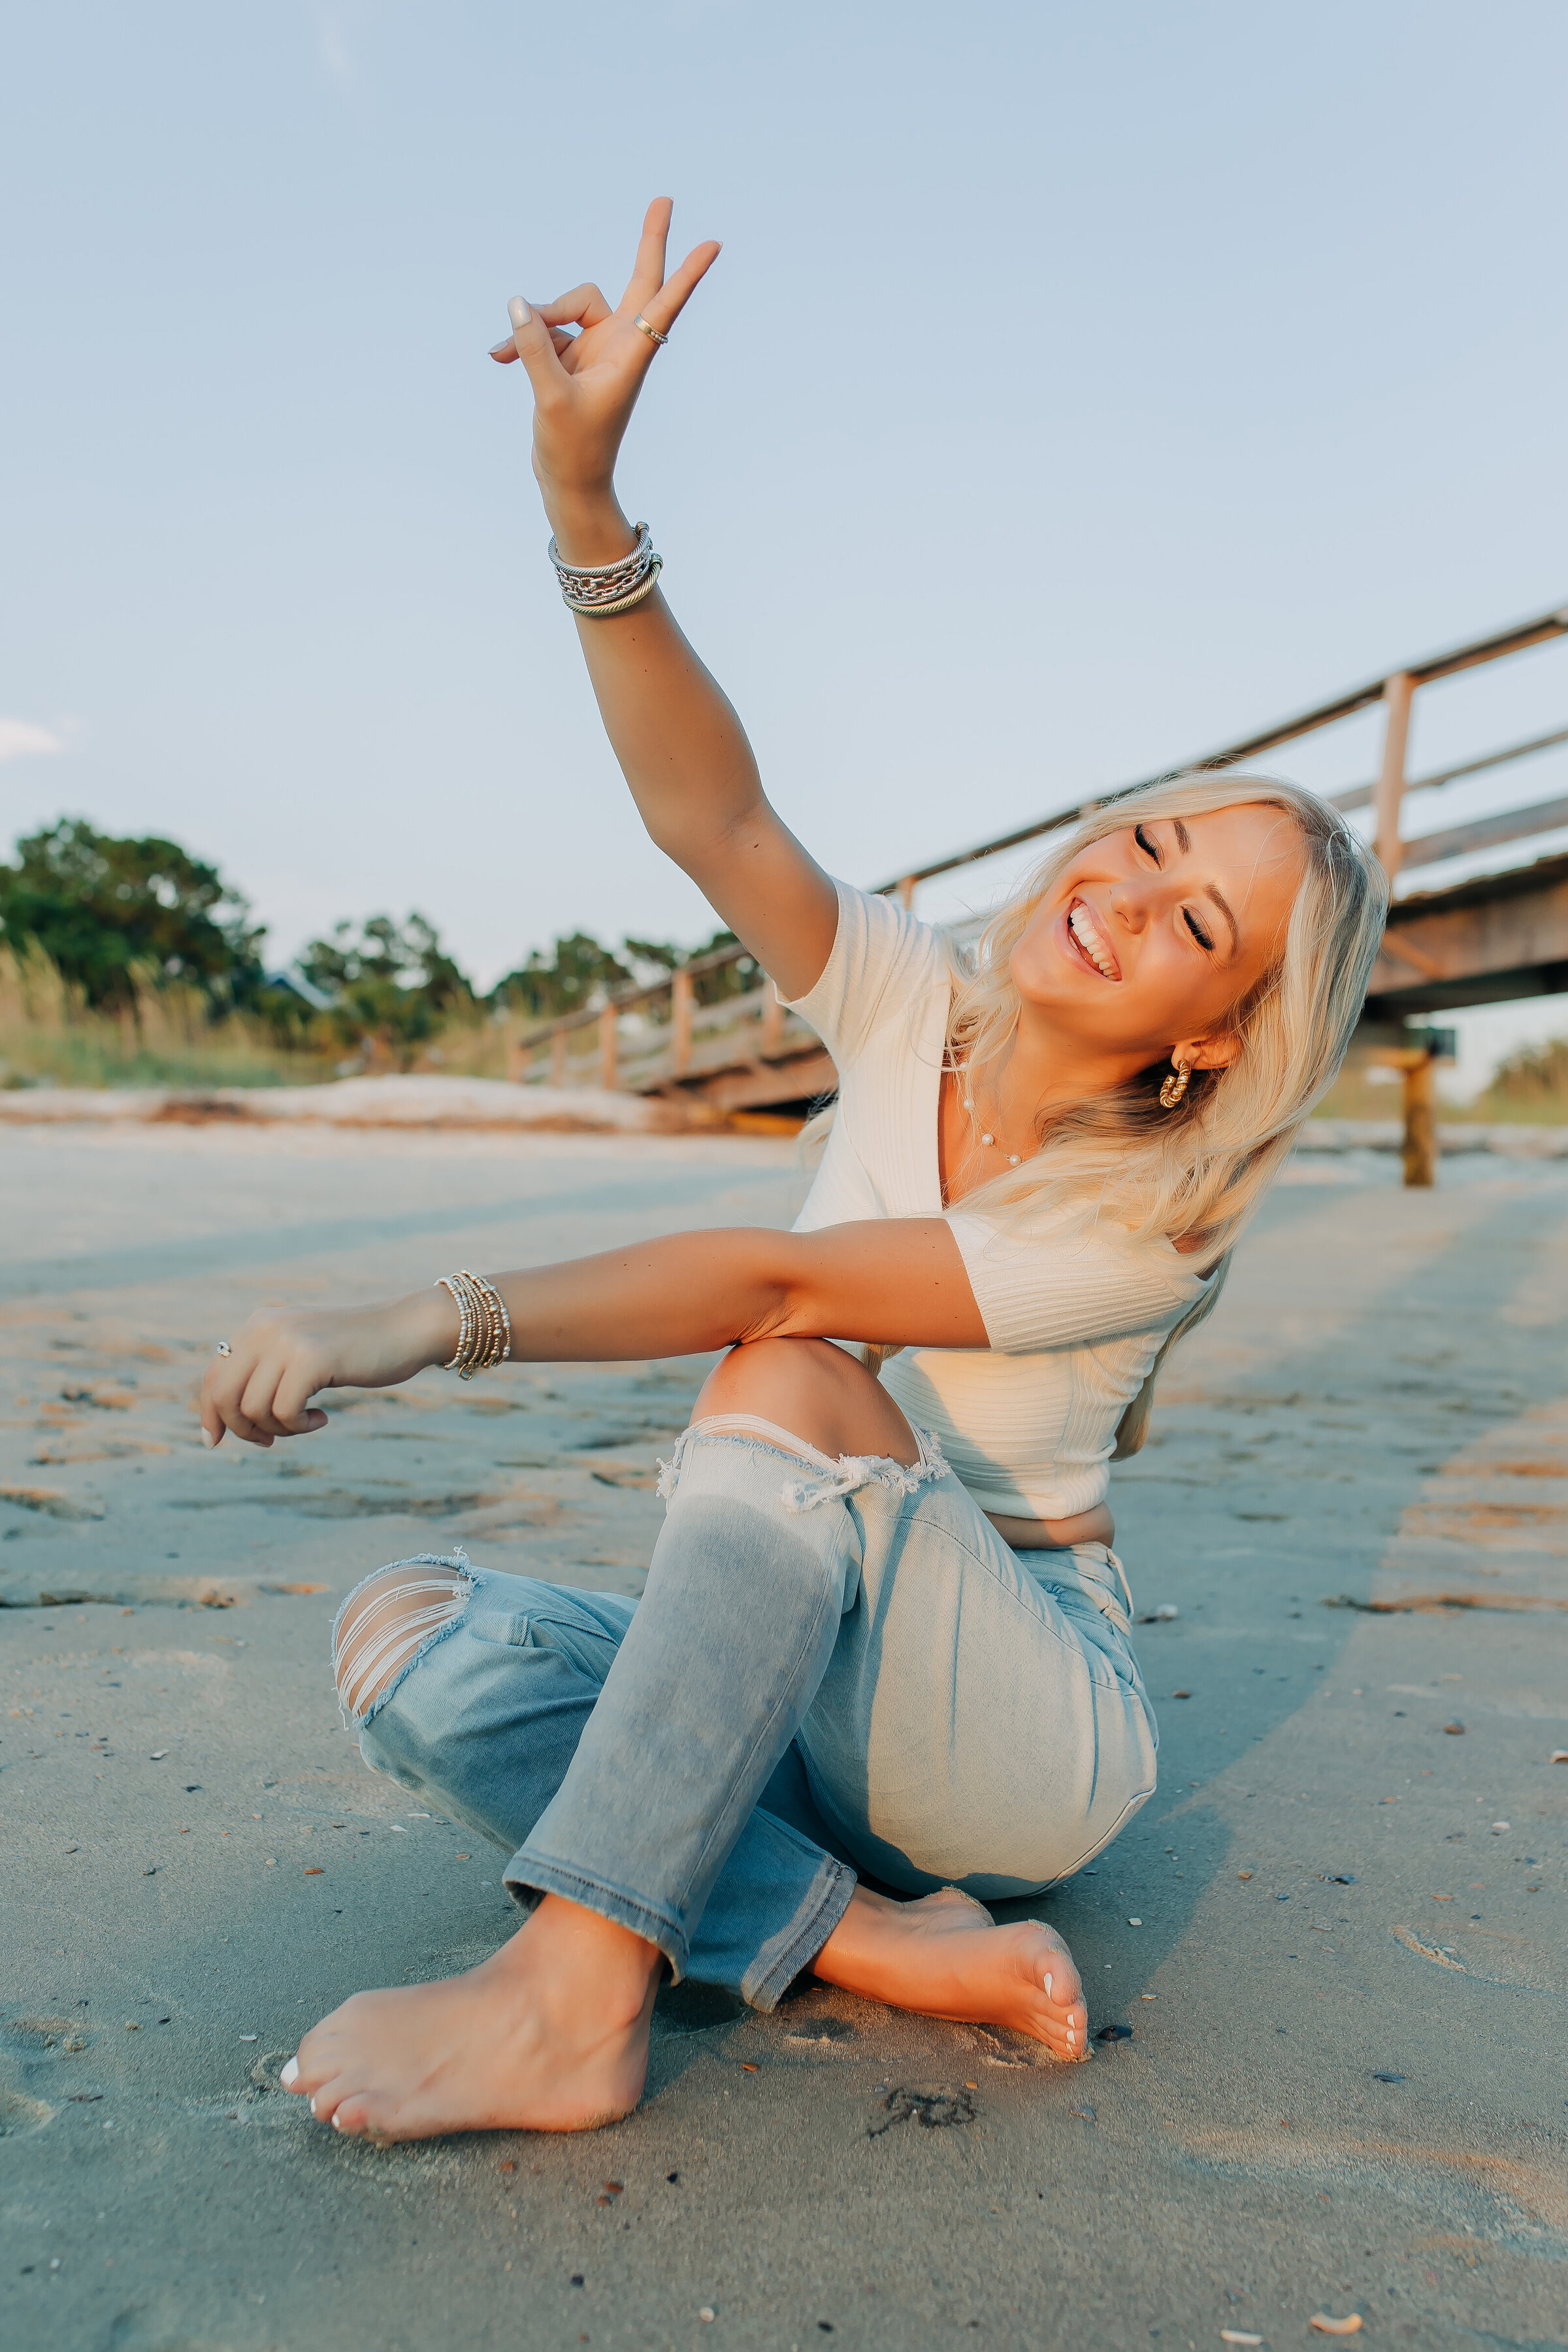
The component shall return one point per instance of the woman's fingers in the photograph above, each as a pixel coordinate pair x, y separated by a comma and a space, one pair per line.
291, 1407
272, 1388
584, 306
648, 269
506, 353
662, 309
536, 348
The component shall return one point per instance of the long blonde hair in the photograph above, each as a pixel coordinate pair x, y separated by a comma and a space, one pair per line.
1202, 1168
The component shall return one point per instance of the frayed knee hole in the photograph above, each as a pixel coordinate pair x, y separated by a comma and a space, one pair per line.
386, 1623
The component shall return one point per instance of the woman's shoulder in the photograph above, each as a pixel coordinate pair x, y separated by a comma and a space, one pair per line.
883, 958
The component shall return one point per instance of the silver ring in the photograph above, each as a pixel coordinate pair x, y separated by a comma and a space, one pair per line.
652, 333
224, 1348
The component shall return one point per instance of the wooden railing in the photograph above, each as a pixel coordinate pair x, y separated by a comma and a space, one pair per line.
659, 1037
746, 1049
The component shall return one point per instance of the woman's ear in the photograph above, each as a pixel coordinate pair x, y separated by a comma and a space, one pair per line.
1208, 1053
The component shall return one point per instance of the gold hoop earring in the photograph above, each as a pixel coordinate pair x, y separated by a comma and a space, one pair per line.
1175, 1085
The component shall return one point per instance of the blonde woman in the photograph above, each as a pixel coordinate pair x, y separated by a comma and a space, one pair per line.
883, 1636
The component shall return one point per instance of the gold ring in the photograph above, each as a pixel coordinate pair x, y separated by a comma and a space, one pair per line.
651, 333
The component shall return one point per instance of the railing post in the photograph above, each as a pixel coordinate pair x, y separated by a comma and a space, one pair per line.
907, 891
609, 1048
558, 1058
1389, 790
681, 998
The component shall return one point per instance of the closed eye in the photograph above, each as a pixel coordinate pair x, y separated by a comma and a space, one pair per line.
1147, 843
1197, 930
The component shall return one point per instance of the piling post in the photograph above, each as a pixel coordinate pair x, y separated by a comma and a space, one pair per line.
558, 1058
1420, 1146
609, 1048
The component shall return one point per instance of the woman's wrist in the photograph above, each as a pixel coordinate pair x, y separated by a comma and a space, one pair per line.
589, 525
433, 1326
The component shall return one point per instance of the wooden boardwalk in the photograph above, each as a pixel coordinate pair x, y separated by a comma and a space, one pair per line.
714, 1033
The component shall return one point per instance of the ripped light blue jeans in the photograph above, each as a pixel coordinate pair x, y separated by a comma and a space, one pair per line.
834, 1667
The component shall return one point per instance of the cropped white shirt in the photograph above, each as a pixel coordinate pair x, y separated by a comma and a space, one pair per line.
1075, 1318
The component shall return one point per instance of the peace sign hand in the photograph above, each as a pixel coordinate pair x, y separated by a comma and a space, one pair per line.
585, 385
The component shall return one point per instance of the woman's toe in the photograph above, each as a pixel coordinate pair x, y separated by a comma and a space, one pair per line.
328, 2097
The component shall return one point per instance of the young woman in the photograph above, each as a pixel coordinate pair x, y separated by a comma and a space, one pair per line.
882, 1632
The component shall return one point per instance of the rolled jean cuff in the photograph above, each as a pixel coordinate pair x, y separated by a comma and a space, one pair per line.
782, 1958
770, 1971
533, 1874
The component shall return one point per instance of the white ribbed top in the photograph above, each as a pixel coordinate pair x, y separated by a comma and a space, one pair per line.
1075, 1318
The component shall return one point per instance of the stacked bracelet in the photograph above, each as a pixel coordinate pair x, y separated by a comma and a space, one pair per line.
597, 590
484, 1337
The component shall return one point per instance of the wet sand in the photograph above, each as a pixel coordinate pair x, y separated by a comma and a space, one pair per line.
1344, 2089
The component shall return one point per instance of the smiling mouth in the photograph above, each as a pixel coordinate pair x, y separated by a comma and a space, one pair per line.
1090, 944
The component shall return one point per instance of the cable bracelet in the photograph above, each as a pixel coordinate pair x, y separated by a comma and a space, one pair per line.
599, 589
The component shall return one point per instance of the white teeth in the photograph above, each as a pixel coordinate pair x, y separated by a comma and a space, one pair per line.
1081, 925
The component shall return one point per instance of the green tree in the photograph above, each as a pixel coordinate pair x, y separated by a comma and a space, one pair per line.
394, 982
111, 913
580, 972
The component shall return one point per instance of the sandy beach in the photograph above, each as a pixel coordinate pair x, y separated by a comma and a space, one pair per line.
1327, 1966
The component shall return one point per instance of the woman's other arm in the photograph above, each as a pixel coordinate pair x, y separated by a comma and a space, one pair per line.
900, 1281
682, 749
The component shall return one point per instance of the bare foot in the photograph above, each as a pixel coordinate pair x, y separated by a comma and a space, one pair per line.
549, 2034
945, 1957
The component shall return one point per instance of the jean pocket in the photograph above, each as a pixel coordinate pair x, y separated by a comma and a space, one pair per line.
586, 1646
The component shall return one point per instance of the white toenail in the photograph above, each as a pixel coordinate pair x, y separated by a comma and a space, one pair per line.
337, 2123
1047, 1982
289, 2074
312, 2107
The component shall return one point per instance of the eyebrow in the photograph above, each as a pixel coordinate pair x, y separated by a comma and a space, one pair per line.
1214, 891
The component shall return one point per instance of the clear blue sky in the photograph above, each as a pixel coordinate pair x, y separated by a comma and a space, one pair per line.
1079, 386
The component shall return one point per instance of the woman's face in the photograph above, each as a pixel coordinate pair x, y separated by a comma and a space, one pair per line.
1155, 933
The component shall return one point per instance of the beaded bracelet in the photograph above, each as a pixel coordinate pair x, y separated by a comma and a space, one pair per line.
484, 1333
598, 589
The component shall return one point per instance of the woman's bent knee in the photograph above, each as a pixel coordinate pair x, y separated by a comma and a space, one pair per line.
385, 1623
813, 1390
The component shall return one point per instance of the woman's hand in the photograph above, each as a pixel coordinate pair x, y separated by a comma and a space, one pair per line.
585, 385
263, 1388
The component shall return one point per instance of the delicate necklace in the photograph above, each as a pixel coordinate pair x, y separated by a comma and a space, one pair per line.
967, 1099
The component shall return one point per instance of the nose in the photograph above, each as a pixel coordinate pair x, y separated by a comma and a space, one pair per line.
1128, 905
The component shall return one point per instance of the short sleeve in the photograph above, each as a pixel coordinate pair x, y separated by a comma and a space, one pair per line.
1038, 1288
882, 955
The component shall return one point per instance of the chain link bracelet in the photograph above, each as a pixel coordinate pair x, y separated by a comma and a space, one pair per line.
597, 590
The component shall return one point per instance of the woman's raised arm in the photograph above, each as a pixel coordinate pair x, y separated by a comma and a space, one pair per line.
899, 1281
680, 745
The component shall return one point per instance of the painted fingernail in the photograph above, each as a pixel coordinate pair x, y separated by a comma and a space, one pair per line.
500, 350
518, 311
207, 1435
289, 2074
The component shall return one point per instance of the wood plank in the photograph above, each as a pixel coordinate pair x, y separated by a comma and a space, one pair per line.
809, 1075
1487, 832
1496, 935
